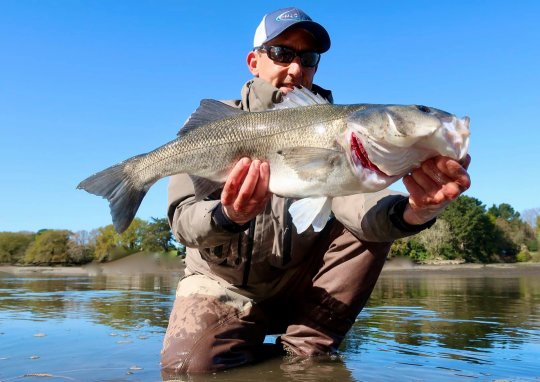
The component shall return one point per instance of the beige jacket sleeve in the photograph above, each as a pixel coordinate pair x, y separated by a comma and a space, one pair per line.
367, 216
190, 220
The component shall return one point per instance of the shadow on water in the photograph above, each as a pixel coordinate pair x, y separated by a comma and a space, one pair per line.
414, 328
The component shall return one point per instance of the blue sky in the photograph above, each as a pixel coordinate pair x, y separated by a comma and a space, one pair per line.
86, 84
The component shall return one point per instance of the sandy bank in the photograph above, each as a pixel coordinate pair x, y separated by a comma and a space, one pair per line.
403, 267
145, 264
136, 264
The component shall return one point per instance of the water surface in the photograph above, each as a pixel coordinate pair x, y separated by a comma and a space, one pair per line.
416, 327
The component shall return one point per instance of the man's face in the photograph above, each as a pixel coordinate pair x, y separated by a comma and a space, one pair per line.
285, 76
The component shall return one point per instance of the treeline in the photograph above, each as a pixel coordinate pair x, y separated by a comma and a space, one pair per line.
465, 231
468, 231
63, 247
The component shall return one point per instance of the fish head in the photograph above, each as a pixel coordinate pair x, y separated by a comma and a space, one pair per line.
391, 140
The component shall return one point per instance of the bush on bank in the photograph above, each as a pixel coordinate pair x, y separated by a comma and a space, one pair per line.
465, 231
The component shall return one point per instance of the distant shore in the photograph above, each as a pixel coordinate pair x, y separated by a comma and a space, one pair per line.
138, 263
398, 267
142, 264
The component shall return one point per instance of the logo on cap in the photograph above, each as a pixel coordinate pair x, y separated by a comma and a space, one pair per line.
293, 14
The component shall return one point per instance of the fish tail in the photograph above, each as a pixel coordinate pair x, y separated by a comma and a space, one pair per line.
118, 185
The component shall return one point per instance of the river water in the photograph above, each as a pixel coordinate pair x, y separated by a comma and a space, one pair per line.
435, 326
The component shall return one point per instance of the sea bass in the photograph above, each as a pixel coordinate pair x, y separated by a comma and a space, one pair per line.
315, 150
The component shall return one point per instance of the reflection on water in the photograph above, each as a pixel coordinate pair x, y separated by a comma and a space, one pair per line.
414, 328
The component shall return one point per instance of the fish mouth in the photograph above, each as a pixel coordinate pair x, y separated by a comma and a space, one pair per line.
360, 156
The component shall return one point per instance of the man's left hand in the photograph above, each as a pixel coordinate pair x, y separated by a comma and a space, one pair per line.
433, 186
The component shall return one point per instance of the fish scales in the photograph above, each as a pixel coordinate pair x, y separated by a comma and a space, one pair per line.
258, 135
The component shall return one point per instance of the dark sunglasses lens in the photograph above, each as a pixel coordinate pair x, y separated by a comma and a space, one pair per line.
310, 59
281, 54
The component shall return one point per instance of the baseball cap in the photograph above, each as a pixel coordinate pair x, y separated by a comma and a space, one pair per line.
275, 23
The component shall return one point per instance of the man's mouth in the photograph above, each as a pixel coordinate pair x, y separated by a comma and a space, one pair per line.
360, 153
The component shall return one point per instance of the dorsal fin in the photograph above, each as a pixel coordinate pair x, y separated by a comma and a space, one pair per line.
208, 111
300, 97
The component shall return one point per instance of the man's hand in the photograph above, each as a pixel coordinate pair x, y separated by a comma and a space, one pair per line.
245, 193
434, 186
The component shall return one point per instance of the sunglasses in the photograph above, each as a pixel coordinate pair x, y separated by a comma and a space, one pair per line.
308, 58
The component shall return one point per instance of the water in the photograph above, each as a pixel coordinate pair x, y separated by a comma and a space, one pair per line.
417, 327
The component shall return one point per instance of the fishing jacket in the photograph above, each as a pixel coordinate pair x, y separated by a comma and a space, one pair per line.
252, 258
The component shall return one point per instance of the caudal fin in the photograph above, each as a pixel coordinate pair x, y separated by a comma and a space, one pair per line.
117, 186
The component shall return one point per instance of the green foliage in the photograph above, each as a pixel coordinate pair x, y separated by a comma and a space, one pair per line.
438, 241
13, 246
81, 246
105, 242
465, 230
471, 228
62, 247
410, 247
532, 245
109, 245
504, 211
50, 247
524, 255
514, 230
156, 236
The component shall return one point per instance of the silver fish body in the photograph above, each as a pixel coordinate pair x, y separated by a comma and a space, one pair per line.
317, 151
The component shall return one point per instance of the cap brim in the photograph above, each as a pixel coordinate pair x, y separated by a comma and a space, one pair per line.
316, 29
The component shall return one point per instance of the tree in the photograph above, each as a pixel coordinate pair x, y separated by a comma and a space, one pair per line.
111, 246
106, 243
515, 230
50, 247
156, 236
438, 241
409, 247
471, 228
130, 239
81, 246
504, 211
13, 245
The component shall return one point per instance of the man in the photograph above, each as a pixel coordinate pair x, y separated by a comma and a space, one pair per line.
248, 273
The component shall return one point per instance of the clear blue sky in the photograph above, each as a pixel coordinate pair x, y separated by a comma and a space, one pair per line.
86, 84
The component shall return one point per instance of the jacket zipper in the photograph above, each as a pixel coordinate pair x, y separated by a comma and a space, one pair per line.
287, 232
249, 252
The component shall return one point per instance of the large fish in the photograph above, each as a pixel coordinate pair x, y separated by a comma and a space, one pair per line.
315, 150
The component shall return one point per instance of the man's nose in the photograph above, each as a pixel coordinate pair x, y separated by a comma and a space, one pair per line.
295, 68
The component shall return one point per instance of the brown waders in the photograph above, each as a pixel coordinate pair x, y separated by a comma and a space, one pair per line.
213, 327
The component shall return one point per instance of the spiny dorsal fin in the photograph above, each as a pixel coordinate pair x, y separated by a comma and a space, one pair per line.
300, 97
209, 111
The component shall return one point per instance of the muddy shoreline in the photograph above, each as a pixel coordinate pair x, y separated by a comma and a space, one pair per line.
140, 264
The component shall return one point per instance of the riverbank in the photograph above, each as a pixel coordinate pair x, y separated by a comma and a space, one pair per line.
139, 263
144, 264
405, 267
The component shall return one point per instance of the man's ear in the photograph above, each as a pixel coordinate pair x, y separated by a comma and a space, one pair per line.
252, 63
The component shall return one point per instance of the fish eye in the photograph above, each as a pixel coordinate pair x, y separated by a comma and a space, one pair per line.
423, 109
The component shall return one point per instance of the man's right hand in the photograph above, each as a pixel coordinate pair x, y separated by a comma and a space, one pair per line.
246, 193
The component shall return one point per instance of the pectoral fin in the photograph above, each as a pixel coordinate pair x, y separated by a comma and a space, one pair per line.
204, 187
311, 163
311, 211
